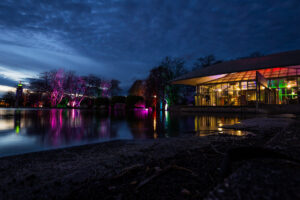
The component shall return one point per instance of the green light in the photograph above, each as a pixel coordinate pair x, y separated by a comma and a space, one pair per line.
293, 93
17, 129
280, 94
273, 84
20, 85
282, 84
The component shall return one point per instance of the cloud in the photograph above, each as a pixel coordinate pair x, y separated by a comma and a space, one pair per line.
13, 76
7, 81
124, 39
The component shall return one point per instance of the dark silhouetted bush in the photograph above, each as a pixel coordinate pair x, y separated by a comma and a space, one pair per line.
134, 101
102, 101
118, 99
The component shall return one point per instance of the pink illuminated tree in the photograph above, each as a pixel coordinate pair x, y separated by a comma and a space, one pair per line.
76, 89
105, 88
57, 86
80, 91
65, 87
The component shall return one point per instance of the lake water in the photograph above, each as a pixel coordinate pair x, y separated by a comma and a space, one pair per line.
28, 130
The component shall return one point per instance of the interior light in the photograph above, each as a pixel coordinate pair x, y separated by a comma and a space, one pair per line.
289, 86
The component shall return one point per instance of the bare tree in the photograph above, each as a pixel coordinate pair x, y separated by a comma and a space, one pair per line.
57, 79
205, 62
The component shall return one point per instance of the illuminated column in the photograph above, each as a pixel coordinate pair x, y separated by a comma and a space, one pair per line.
19, 94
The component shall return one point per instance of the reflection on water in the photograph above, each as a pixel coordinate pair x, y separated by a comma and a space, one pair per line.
214, 124
26, 130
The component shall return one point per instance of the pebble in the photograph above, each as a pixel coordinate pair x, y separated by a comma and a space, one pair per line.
133, 183
157, 169
112, 188
185, 191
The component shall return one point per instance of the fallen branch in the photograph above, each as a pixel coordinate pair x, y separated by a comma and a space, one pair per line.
272, 139
127, 170
162, 172
217, 151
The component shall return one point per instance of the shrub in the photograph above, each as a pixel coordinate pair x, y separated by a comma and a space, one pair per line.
118, 99
102, 101
132, 101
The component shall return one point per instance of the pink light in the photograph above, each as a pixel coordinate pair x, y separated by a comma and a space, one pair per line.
53, 119
60, 119
73, 103
141, 112
105, 86
73, 114
140, 105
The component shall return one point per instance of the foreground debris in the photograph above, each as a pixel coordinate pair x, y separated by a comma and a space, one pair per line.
178, 168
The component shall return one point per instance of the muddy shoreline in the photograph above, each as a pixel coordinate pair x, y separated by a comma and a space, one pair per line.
187, 167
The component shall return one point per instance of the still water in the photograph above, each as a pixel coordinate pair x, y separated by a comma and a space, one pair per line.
28, 130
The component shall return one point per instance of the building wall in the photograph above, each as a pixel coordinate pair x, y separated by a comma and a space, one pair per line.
280, 91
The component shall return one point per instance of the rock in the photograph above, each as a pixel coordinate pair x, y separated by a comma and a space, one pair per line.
185, 192
133, 182
157, 169
111, 188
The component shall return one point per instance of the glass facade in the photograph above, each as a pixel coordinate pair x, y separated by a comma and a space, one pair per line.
242, 88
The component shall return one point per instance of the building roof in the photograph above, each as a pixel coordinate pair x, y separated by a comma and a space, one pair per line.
273, 73
290, 58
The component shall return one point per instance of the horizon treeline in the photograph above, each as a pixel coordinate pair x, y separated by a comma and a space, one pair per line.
60, 88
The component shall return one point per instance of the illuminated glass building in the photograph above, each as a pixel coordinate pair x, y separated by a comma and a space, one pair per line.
272, 79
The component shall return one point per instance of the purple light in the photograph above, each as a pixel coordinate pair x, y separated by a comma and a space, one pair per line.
57, 82
105, 87
140, 105
73, 103
141, 112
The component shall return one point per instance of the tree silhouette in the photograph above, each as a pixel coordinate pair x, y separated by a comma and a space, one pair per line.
10, 98
205, 62
158, 82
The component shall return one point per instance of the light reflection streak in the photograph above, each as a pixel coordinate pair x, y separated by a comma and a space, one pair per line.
166, 119
104, 128
204, 125
155, 135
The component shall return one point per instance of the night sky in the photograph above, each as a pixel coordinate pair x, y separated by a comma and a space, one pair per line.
124, 39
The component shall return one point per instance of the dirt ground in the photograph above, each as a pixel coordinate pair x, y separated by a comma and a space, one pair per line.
262, 165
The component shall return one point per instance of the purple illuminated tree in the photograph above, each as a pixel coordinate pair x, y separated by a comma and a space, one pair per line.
57, 79
75, 87
93, 85
105, 88
80, 91
65, 86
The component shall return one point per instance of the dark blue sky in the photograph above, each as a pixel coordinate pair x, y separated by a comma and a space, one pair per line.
124, 39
